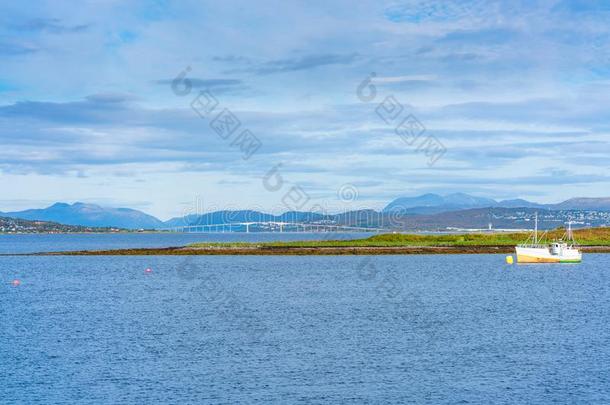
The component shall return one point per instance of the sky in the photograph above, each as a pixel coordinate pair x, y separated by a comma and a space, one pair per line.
187, 106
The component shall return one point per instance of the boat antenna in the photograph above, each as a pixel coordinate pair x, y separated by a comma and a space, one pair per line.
570, 234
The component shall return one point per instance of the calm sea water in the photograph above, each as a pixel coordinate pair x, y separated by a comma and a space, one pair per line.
33, 243
253, 329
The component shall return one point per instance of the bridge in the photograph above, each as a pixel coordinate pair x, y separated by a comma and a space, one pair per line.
270, 226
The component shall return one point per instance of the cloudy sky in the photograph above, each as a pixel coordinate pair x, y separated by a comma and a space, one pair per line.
93, 108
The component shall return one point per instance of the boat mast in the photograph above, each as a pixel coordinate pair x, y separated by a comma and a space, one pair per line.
536, 230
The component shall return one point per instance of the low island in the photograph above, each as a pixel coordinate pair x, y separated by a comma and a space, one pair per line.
591, 240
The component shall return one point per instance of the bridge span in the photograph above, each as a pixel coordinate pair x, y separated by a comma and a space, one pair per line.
270, 226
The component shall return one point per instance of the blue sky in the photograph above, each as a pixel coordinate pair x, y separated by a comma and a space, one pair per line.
516, 91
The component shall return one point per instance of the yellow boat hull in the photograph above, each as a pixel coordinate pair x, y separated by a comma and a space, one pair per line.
532, 259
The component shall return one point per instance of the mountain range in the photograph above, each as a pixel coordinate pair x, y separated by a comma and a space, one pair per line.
93, 215
434, 203
89, 215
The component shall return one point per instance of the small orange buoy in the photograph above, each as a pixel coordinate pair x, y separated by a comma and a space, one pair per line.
148, 270
16, 283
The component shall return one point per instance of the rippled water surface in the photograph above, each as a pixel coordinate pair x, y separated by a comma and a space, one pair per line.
248, 329
34, 243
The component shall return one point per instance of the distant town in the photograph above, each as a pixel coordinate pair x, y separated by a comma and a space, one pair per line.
15, 225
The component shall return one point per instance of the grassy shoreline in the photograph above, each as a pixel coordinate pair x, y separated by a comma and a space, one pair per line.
593, 240
300, 251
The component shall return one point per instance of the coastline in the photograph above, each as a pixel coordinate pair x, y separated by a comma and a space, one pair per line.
300, 251
592, 240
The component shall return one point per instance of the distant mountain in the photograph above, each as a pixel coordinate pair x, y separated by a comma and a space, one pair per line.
519, 203
227, 217
434, 203
219, 217
466, 200
89, 215
428, 204
598, 204
502, 218
425, 200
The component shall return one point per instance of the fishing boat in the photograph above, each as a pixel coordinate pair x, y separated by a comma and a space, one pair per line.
558, 251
